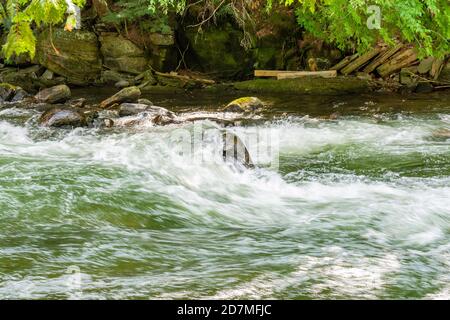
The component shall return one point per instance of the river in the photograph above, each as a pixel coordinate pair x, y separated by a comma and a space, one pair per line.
353, 207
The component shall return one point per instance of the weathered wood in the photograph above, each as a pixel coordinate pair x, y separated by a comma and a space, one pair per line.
344, 62
425, 65
382, 58
303, 74
400, 60
176, 76
269, 73
436, 68
360, 61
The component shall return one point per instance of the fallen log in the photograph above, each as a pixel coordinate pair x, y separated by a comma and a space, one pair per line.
344, 62
400, 60
360, 61
382, 58
303, 74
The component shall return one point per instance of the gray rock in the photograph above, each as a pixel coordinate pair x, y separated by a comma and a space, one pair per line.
130, 94
6, 91
129, 109
122, 84
77, 103
47, 75
61, 117
19, 95
145, 101
54, 94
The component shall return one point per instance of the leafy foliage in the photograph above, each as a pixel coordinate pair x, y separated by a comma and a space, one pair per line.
18, 17
425, 23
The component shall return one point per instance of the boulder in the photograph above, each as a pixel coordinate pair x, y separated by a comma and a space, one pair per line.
74, 55
7, 91
77, 103
145, 101
61, 117
245, 104
19, 95
55, 94
129, 109
130, 94
122, 84
121, 54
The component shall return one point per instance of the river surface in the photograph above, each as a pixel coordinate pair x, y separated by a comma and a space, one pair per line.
353, 207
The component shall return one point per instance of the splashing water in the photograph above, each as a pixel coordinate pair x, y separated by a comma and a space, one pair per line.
356, 208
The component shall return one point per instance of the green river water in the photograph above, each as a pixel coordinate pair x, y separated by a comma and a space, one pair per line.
357, 207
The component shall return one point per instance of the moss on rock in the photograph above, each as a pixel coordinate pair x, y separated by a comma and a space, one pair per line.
341, 85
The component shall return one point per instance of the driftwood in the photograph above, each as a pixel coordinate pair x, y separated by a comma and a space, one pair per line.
186, 79
344, 62
382, 58
398, 61
436, 68
360, 61
303, 74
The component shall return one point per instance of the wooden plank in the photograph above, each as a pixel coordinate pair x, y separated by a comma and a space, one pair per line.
269, 73
400, 60
382, 58
344, 62
303, 74
436, 68
360, 61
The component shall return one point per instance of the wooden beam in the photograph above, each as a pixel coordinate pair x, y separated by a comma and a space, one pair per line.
400, 60
303, 74
269, 73
382, 58
362, 60
344, 62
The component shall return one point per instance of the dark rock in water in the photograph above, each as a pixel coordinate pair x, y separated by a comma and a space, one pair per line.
6, 91
122, 84
234, 150
130, 94
130, 109
19, 95
55, 94
145, 101
245, 104
77, 103
59, 117
424, 87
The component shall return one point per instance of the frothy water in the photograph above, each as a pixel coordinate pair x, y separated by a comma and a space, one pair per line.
355, 208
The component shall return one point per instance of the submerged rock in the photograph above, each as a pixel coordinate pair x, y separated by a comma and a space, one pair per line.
130, 94
234, 150
245, 104
60, 117
55, 94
